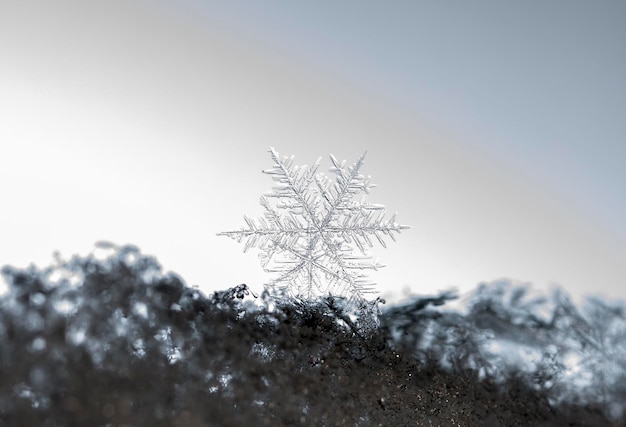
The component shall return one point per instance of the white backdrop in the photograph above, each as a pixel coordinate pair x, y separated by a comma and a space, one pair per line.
143, 124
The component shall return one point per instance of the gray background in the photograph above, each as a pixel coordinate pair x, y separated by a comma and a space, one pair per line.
496, 129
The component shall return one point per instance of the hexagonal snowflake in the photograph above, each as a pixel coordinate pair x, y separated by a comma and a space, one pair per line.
312, 228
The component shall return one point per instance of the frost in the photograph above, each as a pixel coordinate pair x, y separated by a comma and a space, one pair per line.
313, 235
65, 306
141, 309
38, 344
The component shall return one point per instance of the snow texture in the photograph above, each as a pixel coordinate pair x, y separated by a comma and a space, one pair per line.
313, 235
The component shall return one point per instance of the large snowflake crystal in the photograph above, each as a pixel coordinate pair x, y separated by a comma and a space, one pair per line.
312, 228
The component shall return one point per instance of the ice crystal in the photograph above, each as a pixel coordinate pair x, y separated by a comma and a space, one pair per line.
312, 228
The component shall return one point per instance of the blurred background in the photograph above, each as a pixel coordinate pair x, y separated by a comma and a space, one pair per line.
496, 130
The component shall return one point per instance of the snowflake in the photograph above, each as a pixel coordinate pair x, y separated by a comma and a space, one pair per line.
311, 228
